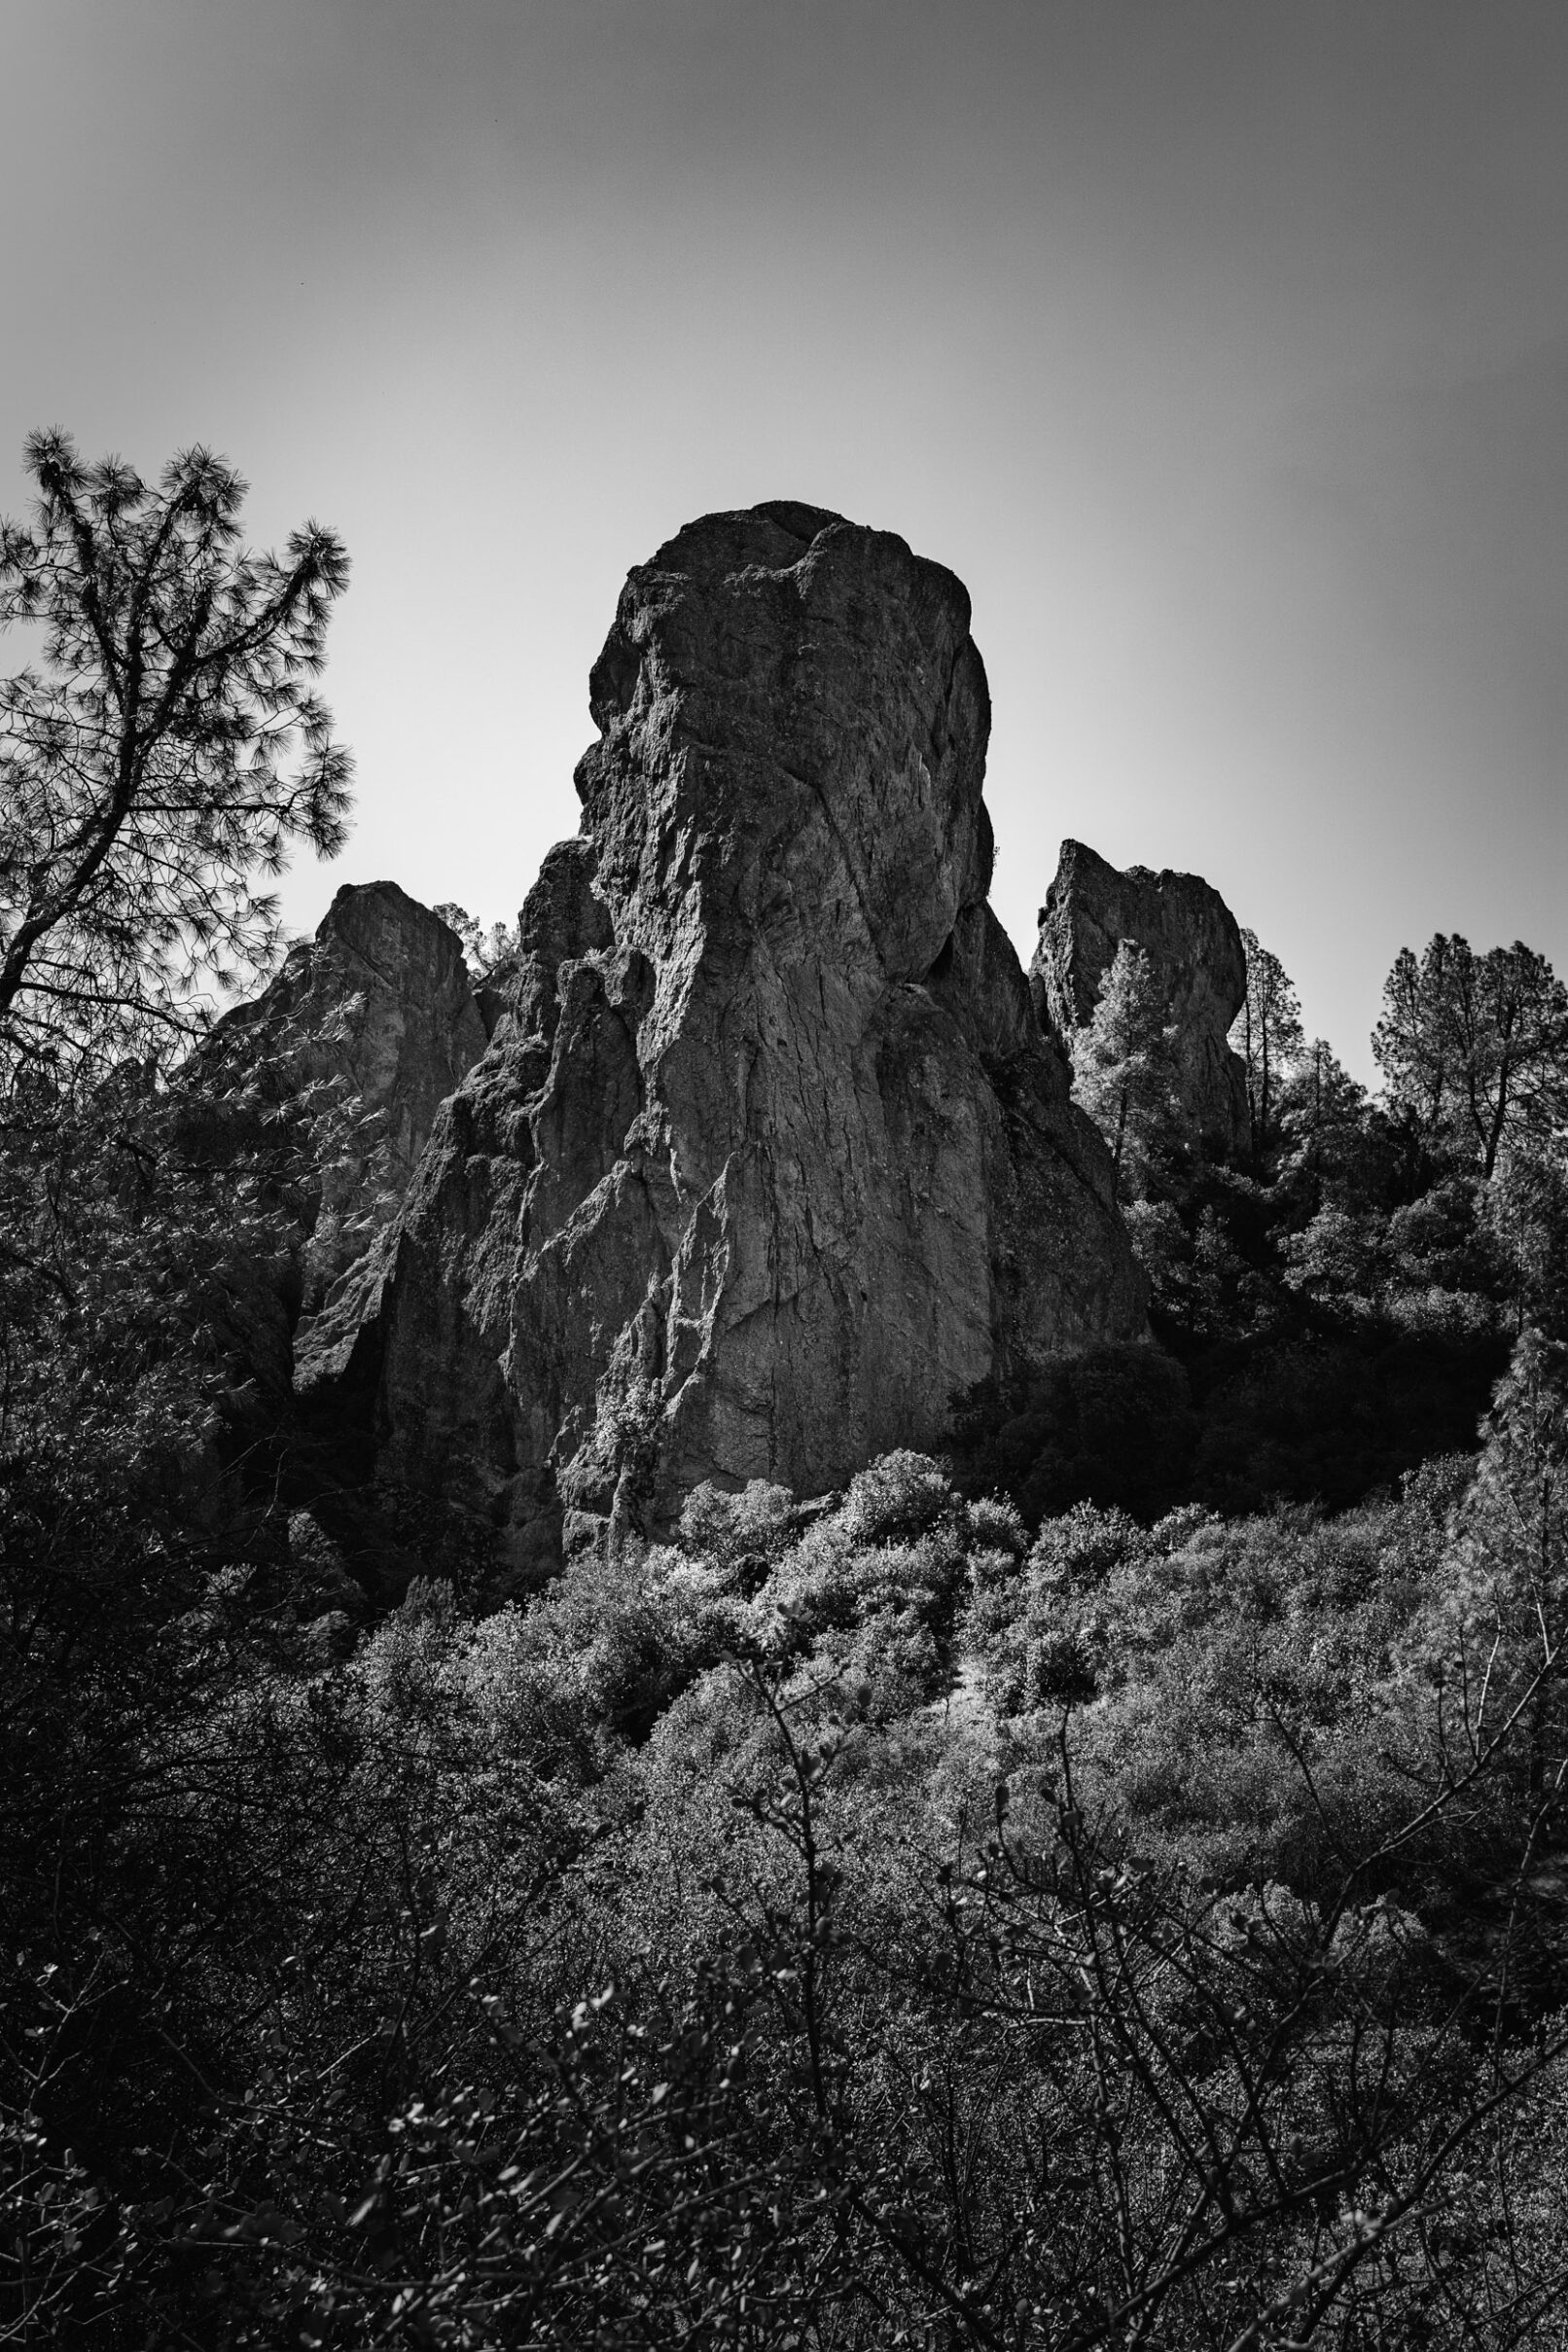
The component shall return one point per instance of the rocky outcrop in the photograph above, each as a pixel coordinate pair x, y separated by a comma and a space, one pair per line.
769, 1157
325, 1087
370, 1026
1192, 941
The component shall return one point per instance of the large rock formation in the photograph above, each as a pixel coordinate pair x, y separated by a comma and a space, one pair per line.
769, 1157
1191, 938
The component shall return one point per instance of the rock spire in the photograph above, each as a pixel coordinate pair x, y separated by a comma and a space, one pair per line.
769, 1157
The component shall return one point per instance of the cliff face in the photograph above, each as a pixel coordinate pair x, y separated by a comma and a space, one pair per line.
770, 1156
1191, 940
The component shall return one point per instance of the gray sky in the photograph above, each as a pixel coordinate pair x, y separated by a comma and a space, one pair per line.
1220, 345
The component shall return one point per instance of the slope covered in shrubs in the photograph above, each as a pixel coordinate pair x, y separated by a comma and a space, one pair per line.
846, 1923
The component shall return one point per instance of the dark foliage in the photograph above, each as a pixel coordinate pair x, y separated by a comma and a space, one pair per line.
1328, 1418
1114, 1425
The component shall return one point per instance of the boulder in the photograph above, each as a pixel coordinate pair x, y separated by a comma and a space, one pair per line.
1191, 940
769, 1157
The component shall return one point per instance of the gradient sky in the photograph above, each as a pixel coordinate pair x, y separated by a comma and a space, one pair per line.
1221, 347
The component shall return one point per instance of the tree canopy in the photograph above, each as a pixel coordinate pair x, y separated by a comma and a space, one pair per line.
1474, 1048
161, 752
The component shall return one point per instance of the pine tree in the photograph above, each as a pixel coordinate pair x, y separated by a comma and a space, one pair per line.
161, 755
1126, 1076
1322, 1120
1474, 1048
1268, 1036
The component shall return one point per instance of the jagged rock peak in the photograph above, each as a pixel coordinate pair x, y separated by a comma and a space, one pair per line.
353, 1048
377, 1014
1194, 943
385, 995
769, 1157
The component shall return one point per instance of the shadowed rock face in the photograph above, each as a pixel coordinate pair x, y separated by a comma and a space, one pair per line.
365, 1029
1191, 940
770, 1156
383, 993
377, 1014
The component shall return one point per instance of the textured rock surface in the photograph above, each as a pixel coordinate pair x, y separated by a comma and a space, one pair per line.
376, 1013
1191, 940
769, 1157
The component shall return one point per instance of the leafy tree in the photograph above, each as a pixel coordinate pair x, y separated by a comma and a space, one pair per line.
1268, 1035
1125, 1072
1474, 1048
167, 747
